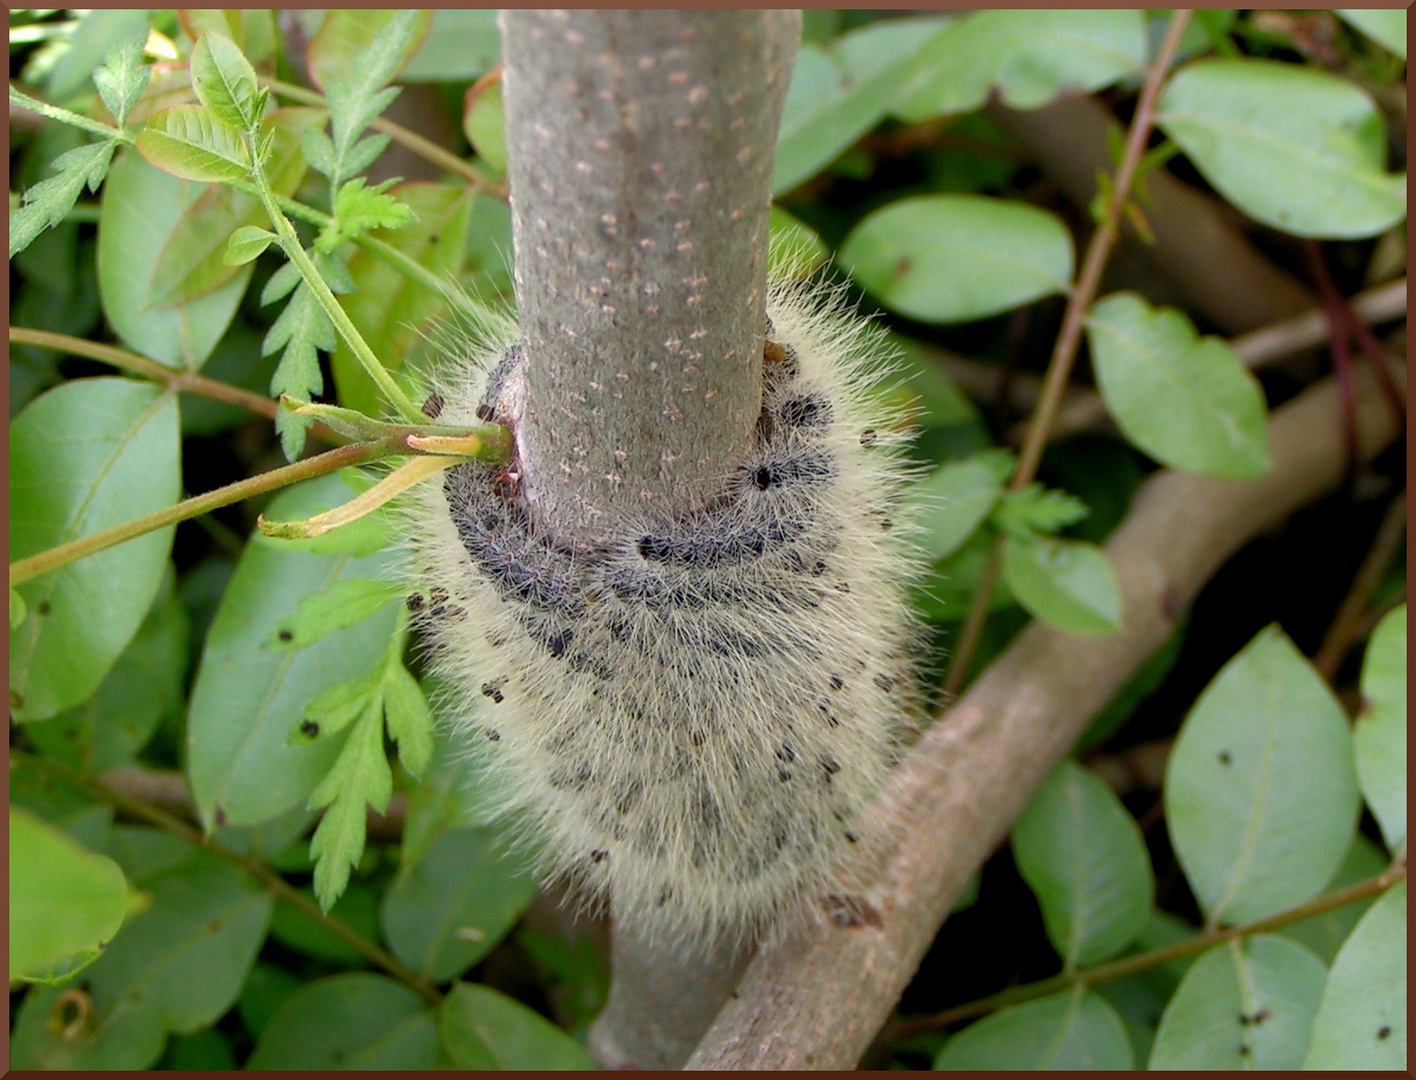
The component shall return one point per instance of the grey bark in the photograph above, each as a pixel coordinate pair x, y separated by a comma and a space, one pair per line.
639, 154
817, 1000
639, 151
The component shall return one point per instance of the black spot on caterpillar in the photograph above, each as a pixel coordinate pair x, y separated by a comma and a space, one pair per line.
657, 694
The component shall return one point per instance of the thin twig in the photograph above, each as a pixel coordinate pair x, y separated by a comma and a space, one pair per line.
426, 149
1343, 633
277, 885
1131, 965
318, 465
185, 381
1064, 354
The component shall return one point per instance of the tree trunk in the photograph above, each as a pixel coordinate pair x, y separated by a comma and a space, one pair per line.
639, 152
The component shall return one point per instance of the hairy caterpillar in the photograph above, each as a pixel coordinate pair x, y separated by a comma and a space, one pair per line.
690, 716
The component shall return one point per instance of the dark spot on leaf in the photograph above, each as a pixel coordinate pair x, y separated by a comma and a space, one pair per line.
43, 607
433, 406
1260, 1015
1244, 1049
903, 266
1224, 758
219, 817
309, 727
1384, 1032
213, 926
285, 635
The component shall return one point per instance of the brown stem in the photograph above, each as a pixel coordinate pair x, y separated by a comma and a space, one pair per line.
1343, 632
817, 999
318, 465
1064, 354
144, 811
1131, 965
185, 381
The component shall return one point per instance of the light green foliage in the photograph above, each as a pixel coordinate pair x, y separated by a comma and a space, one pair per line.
1243, 1005
248, 697
175, 967
345, 603
46, 204
225, 82
1388, 27
354, 1021
192, 143
462, 44
142, 689
1028, 57
359, 208
482, 1029
950, 258
66, 902
456, 904
484, 124
1264, 756
1361, 1019
1325, 933
1185, 400
1082, 855
842, 89
1067, 583
1380, 733
1075, 1029
1293, 147
86, 456
956, 499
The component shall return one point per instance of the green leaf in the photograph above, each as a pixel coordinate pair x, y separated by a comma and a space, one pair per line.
952, 258
66, 903
455, 791
1033, 509
88, 822
456, 904
1386, 27
1075, 1029
122, 79
462, 45
946, 593
372, 46
1243, 1005
144, 688
145, 213
1291, 146
247, 243
1082, 855
225, 82
357, 909
354, 1021
49, 201
343, 603
1325, 933
410, 721
195, 262
1185, 400
85, 456
247, 698
395, 315
190, 142
484, 124
17, 610
1380, 733
840, 91
357, 209
1067, 583
175, 967
482, 1029
303, 329
955, 500
360, 777
99, 34
267, 988
1264, 756
1361, 1019
1026, 57
339, 706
